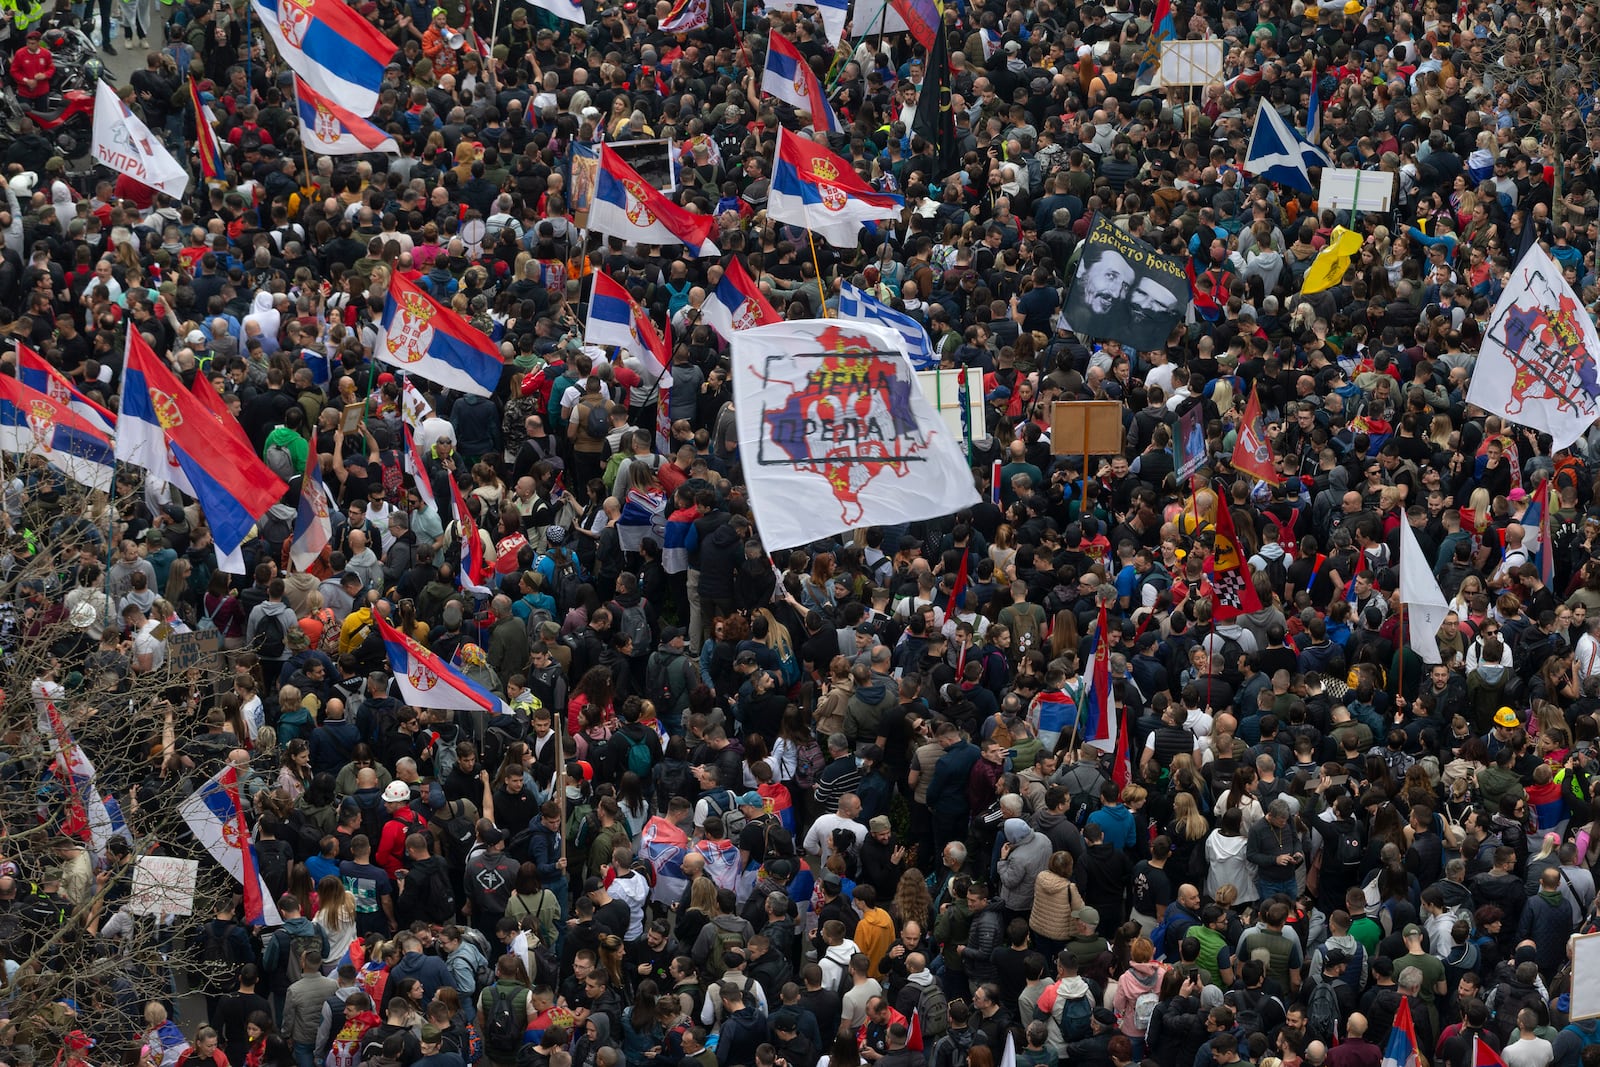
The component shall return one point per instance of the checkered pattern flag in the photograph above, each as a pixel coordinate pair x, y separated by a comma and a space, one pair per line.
1230, 590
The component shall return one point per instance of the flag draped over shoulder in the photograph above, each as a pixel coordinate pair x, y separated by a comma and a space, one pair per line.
1328, 269
427, 681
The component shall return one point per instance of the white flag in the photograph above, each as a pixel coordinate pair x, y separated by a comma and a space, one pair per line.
126, 145
414, 407
1425, 603
1536, 366
836, 435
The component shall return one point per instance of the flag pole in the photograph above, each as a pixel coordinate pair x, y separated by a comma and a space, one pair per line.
305, 159
815, 262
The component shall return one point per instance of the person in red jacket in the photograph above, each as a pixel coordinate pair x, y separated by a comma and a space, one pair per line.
403, 820
32, 70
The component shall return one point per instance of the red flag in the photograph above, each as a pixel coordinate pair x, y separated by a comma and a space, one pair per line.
961, 583
1236, 593
1121, 760
1484, 1056
1252, 452
914, 1032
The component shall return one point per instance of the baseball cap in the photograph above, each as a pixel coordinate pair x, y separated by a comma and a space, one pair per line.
745, 659
397, 793
870, 751
1507, 718
1411, 930
195, 337
670, 634
593, 885
831, 880
1088, 916
752, 799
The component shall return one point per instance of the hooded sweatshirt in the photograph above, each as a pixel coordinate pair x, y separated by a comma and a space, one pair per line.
874, 935
1136, 981
836, 962
1028, 856
1074, 988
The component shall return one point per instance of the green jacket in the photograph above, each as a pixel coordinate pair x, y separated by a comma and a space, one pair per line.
297, 446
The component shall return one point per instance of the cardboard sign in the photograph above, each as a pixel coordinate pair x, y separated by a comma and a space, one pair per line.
163, 885
1086, 428
193, 649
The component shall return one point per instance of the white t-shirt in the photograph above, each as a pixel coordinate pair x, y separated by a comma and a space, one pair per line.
820, 839
145, 643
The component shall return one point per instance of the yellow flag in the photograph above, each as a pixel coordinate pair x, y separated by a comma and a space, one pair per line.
1327, 270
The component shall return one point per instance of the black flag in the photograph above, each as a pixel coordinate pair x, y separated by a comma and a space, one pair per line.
934, 121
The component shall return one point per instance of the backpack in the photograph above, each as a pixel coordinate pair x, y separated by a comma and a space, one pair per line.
933, 1010
1074, 1014
723, 941
501, 1034
807, 761
1246, 1005
1143, 1008
1322, 1013
639, 758
455, 833
733, 820
1350, 851
270, 637
658, 680
567, 582
635, 623
597, 422
279, 460
299, 945
537, 617
208, 622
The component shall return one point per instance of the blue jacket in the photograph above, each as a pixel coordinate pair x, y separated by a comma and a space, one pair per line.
947, 793
331, 744
1117, 822
544, 849
431, 970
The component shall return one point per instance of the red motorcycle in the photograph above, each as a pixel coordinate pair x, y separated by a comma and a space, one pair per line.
67, 120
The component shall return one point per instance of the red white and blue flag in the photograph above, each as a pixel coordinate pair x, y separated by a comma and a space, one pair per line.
1536, 520
423, 337
1054, 713
1100, 705
214, 813
736, 303
474, 571
36, 372
426, 681
817, 190
687, 15
1401, 1051
418, 470
313, 523
627, 206
339, 53
177, 435
790, 78
334, 130
616, 318
98, 819
32, 423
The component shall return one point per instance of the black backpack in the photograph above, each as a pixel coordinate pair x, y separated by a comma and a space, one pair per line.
270, 637
598, 421
501, 1034
455, 832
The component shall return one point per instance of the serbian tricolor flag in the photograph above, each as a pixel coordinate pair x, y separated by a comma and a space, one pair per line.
333, 130
1401, 1051
336, 50
214, 814
1252, 452
815, 189
33, 424
627, 206
474, 570
427, 681
419, 472
1100, 706
37, 373
1242, 81
994, 483
421, 336
313, 524
687, 15
1054, 713
616, 318
1537, 520
959, 589
92, 817
736, 303
205, 135
790, 78
1350, 586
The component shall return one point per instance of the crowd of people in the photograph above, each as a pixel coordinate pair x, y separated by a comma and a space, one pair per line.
751, 805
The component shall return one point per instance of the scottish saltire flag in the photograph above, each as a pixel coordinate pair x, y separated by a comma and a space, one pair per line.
37, 373
214, 461
627, 206
214, 813
687, 15
313, 525
1279, 154
1148, 77
32, 423
736, 302
1401, 1051
334, 130
205, 134
790, 78
426, 681
856, 304
616, 318
415, 468
817, 190
339, 53
421, 336
100, 817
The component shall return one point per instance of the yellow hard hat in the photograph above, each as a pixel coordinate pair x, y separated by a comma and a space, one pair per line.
1507, 718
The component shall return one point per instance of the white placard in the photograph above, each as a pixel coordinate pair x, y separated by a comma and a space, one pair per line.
163, 886
1191, 62
1341, 188
943, 390
1585, 977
